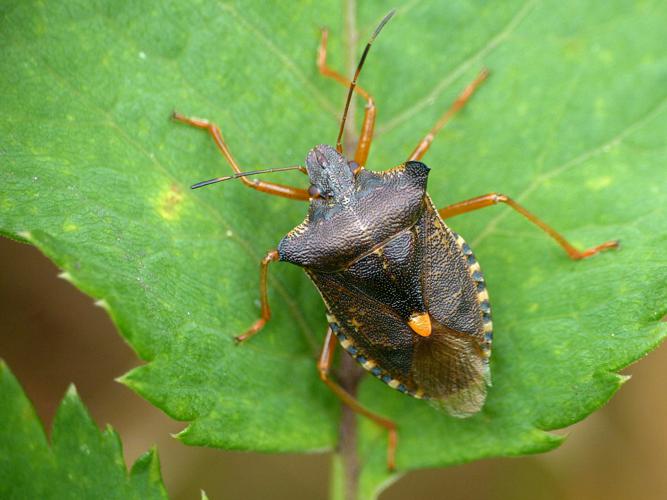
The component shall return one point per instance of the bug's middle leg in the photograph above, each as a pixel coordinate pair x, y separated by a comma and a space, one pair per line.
266, 187
272, 256
456, 106
366, 135
490, 199
323, 366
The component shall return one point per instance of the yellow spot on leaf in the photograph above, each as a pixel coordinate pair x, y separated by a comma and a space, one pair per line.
69, 227
170, 203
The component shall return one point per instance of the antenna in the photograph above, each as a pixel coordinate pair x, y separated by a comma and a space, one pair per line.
244, 174
385, 20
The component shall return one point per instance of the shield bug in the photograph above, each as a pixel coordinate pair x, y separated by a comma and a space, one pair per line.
404, 294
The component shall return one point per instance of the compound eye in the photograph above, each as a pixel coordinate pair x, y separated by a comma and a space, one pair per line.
314, 192
354, 166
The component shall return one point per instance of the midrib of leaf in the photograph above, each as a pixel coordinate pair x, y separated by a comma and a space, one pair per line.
340, 482
344, 469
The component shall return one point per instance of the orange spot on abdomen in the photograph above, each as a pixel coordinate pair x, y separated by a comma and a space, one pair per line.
420, 324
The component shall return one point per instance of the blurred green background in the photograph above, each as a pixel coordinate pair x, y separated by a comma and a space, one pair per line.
51, 335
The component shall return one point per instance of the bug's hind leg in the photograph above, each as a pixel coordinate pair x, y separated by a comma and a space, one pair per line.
490, 199
272, 256
266, 187
366, 135
456, 106
323, 366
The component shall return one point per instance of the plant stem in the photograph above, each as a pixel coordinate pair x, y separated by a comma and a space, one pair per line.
345, 475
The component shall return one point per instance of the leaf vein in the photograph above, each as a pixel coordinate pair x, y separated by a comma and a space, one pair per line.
564, 167
453, 75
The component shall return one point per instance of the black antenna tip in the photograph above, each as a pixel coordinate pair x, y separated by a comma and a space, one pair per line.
206, 183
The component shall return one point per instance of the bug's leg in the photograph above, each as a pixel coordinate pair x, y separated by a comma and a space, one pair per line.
323, 366
456, 106
272, 256
366, 135
266, 187
494, 198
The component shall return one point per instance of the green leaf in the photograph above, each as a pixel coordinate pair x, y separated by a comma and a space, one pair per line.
571, 123
81, 462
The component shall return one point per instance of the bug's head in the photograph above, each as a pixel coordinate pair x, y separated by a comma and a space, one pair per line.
331, 175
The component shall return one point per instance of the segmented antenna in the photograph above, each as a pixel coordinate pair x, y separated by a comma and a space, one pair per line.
244, 174
385, 20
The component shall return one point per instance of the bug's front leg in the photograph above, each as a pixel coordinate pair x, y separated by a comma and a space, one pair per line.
272, 256
263, 186
323, 366
490, 199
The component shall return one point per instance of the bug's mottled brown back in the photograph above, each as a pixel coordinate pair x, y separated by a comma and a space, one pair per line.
378, 279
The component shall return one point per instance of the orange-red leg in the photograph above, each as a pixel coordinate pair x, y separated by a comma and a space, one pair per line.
456, 106
323, 366
266, 187
494, 198
366, 136
272, 256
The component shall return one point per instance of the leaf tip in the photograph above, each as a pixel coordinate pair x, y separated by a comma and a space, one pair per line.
71, 392
103, 304
131, 380
181, 435
147, 462
125, 380
26, 235
622, 379
65, 275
